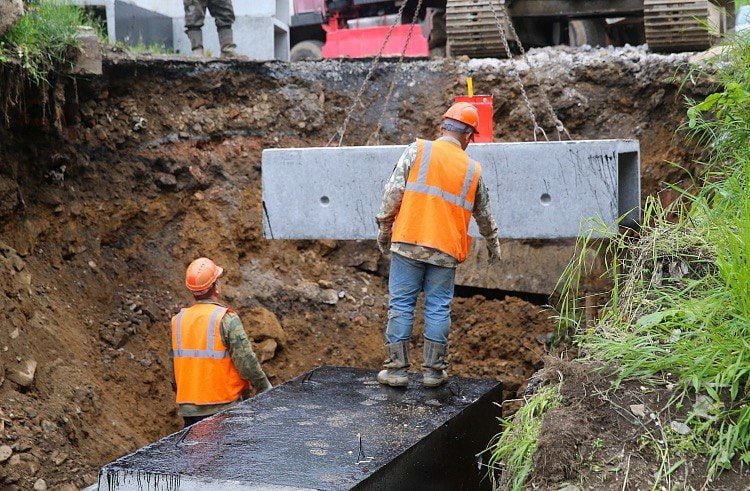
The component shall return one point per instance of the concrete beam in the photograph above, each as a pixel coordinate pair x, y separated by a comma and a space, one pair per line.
549, 190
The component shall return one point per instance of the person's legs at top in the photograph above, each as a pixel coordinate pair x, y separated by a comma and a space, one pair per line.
223, 13
404, 285
195, 13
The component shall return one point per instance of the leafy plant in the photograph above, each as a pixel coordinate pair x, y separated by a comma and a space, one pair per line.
44, 39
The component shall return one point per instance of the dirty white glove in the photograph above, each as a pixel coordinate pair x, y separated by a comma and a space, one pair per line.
384, 241
493, 248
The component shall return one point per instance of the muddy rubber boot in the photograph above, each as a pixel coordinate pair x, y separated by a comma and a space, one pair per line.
196, 41
226, 41
396, 373
434, 373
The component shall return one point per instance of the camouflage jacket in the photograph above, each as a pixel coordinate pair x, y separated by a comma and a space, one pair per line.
241, 351
394, 193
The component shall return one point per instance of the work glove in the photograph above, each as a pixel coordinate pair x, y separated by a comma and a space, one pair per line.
384, 241
493, 248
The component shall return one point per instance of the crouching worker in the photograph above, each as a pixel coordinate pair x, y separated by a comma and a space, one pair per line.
214, 362
424, 222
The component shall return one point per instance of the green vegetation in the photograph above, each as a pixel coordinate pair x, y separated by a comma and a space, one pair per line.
679, 312
512, 450
44, 39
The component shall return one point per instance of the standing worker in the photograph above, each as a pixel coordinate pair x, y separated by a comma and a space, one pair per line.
212, 355
424, 221
223, 13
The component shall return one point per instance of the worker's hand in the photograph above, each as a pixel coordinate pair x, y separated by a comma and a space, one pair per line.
493, 248
384, 242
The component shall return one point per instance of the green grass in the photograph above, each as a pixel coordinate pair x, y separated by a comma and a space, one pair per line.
44, 39
679, 311
512, 450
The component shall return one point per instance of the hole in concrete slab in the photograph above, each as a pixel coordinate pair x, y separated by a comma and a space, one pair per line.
324, 200
546, 199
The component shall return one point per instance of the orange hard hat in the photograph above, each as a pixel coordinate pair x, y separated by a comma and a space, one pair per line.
201, 275
464, 112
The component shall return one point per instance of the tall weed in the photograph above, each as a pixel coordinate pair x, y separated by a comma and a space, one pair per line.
680, 307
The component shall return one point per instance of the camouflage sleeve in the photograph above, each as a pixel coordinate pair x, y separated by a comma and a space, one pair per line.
235, 338
483, 213
394, 190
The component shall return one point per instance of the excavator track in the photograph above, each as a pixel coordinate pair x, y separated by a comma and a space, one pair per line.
472, 29
680, 25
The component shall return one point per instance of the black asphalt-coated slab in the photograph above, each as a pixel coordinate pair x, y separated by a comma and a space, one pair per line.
331, 428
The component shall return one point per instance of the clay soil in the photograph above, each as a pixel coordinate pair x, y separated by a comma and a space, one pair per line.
158, 162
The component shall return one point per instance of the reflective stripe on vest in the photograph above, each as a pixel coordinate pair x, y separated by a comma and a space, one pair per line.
209, 352
421, 186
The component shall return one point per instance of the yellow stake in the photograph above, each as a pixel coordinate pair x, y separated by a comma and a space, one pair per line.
470, 86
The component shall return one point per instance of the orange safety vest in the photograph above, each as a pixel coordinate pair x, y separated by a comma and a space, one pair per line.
203, 369
439, 199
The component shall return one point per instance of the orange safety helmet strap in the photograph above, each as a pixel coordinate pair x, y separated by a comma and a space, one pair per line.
209, 352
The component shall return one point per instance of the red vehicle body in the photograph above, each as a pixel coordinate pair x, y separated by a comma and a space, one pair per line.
351, 29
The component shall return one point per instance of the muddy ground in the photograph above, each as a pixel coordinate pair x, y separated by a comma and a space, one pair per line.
158, 162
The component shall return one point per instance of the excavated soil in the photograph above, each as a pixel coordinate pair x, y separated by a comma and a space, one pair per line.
612, 440
158, 162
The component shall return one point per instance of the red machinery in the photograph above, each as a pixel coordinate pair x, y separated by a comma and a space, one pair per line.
351, 29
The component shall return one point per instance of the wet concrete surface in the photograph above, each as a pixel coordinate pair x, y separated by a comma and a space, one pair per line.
331, 428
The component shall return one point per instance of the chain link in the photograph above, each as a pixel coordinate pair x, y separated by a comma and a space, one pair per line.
513, 69
375, 137
559, 126
375, 61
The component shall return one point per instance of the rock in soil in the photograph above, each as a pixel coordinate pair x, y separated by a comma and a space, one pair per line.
263, 324
22, 372
266, 349
10, 12
5, 453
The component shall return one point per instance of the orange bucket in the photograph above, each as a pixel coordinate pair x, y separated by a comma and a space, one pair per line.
483, 104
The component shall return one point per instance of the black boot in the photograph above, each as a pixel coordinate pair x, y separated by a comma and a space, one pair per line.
226, 41
196, 41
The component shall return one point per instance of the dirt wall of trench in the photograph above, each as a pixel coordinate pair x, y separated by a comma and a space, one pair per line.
158, 162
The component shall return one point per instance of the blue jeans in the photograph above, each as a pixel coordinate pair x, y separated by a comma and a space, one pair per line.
409, 277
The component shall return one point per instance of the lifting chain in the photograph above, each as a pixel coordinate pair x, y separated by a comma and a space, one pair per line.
375, 61
559, 127
375, 137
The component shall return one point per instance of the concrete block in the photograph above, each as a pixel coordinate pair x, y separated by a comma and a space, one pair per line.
109, 10
136, 25
331, 428
89, 58
546, 190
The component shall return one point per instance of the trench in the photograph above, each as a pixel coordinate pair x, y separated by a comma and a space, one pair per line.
158, 162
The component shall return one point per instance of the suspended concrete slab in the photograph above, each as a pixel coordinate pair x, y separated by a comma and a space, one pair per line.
546, 190
332, 428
